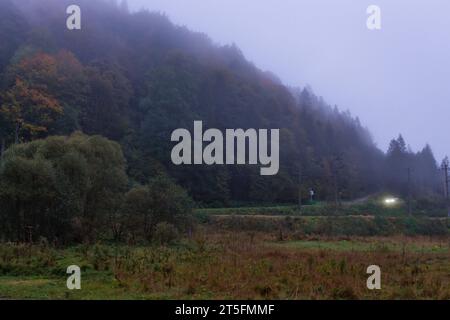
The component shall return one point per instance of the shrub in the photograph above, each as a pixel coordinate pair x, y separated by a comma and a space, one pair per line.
55, 187
145, 207
165, 233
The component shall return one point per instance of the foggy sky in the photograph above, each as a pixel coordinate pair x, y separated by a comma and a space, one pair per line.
397, 79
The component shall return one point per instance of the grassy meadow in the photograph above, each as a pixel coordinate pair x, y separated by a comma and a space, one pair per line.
221, 264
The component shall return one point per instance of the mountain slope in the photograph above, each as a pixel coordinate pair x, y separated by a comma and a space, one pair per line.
137, 77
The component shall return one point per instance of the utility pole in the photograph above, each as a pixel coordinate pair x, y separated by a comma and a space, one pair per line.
445, 167
337, 167
409, 193
300, 189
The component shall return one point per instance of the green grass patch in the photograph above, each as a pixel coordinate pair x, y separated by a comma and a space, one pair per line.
368, 246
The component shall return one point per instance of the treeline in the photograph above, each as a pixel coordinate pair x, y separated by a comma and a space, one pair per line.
407, 172
134, 78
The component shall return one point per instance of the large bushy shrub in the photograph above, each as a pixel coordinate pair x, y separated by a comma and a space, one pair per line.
60, 188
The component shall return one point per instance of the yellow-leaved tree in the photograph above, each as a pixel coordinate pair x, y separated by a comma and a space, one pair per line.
27, 108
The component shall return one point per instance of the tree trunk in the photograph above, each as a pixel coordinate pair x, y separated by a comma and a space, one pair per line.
16, 134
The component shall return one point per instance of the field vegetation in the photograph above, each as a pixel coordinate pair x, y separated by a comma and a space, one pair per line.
225, 265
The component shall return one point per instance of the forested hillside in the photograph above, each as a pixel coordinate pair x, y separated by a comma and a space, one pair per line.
135, 77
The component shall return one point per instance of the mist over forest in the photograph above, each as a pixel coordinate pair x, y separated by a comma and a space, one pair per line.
94, 206
133, 78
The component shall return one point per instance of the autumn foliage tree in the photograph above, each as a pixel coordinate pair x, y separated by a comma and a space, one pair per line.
28, 111
27, 107
43, 93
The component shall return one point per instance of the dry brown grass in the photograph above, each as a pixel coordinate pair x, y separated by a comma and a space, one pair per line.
234, 265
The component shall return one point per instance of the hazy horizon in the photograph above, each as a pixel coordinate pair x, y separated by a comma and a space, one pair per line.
392, 79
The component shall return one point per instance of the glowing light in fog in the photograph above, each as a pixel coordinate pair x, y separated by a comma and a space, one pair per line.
390, 201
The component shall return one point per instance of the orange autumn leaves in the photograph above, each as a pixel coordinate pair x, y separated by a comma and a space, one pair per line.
29, 106
30, 110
